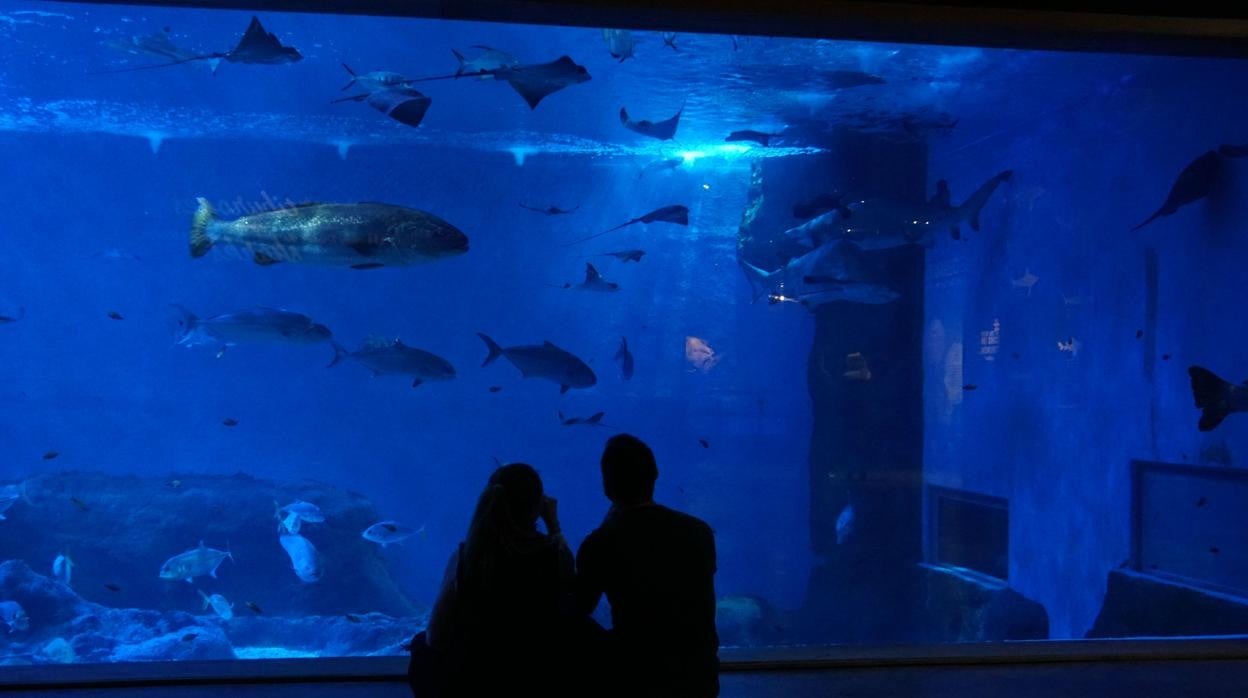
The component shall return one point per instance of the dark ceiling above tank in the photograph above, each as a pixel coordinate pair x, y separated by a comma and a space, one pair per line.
1192, 28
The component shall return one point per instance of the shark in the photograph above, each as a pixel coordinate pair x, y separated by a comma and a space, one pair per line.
836, 271
884, 223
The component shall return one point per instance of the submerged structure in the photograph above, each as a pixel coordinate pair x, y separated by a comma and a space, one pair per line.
943, 342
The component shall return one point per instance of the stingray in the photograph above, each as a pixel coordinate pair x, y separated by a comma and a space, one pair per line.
1197, 180
533, 82
594, 420
663, 130
257, 47
550, 210
403, 104
668, 214
594, 282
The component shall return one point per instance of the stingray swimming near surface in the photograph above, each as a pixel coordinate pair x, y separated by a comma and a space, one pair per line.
532, 82
1197, 181
257, 46
403, 104
668, 214
663, 130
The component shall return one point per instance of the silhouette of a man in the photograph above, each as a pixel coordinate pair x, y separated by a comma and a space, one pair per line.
657, 569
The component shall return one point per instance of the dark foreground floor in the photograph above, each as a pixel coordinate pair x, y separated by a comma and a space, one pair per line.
1171, 679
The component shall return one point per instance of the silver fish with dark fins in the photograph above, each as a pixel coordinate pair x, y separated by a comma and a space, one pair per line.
543, 361
194, 563
386, 357
360, 236
248, 326
1216, 398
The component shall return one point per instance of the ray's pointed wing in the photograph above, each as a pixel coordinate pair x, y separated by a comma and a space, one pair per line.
536, 82
403, 104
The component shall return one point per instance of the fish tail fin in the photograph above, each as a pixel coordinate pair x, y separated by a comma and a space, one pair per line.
187, 322
1212, 396
459, 57
760, 281
201, 237
1150, 219
340, 353
495, 350
351, 82
972, 207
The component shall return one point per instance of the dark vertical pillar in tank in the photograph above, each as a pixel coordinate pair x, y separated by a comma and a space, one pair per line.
867, 443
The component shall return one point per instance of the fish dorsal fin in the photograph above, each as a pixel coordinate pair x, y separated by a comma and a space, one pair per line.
591, 274
549, 344
595, 418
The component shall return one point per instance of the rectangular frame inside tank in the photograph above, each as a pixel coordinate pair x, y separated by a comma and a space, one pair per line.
1179, 38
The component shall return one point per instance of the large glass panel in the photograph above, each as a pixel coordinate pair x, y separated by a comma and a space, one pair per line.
899, 322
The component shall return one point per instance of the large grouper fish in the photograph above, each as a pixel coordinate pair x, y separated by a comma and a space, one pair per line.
360, 236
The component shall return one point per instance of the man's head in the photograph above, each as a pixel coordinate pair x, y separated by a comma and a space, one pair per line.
628, 471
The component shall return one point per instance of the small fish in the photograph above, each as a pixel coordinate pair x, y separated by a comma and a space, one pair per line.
352, 618
664, 130
594, 282
292, 516
51, 454
373, 80
543, 361
626, 255
594, 420
856, 368
1070, 346
1027, 281
625, 357
230, 422
219, 605
190, 637
114, 315
846, 521
970, 386
1202, 502
759, 137
1216, 398
1016, 355
1215, 550
385, 357
6, 319
254, 608
1139, 334
550, 210
704, 443
675, 213
662, 165
700, 354
194, 563
619, 43
304, 558
63, 568
669, 40
173, 484
484, 64
1165, 357
384, 533
82, 506
112, 587
495, 388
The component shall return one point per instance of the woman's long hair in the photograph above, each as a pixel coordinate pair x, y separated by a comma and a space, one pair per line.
504, 523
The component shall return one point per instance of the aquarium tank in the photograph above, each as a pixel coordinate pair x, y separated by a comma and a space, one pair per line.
945, 343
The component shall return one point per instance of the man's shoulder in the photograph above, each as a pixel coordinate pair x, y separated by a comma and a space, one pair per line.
688, 522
